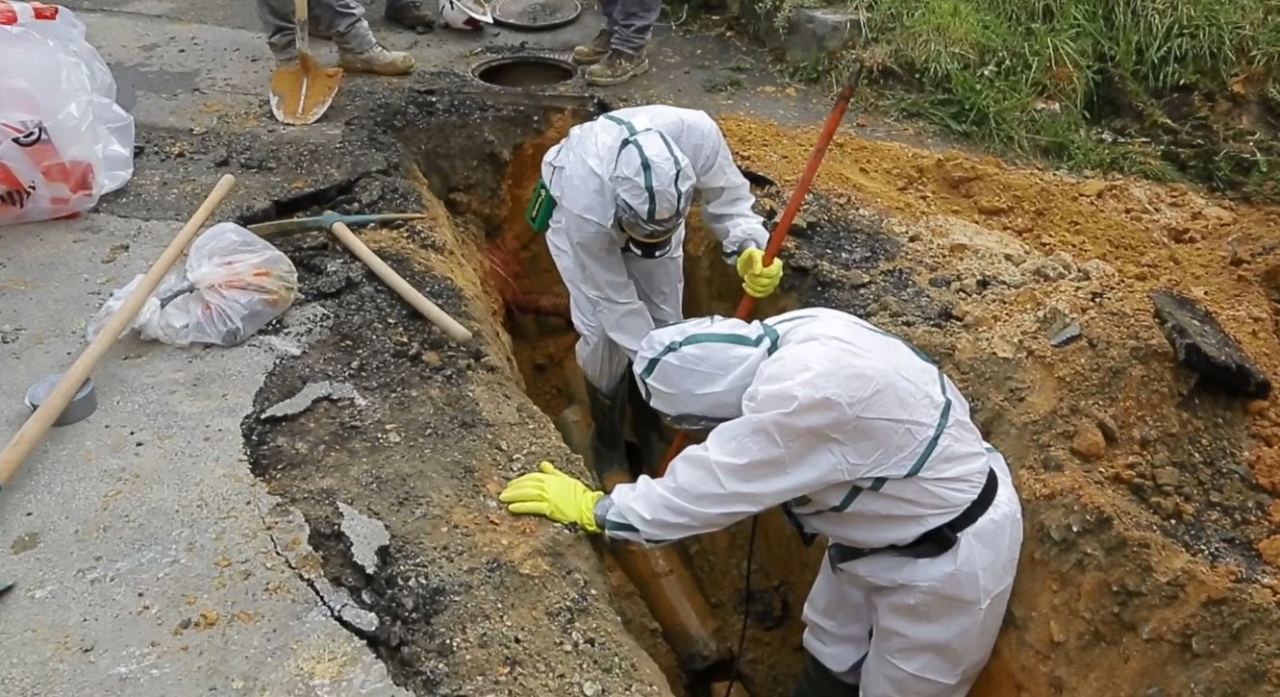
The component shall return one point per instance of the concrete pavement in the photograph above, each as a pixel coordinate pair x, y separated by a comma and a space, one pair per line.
141, 547
147, 559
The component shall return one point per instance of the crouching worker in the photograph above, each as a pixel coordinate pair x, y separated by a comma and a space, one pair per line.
860, 438
612, 201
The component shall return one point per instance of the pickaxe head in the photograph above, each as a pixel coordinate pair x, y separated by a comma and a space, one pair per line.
293, 226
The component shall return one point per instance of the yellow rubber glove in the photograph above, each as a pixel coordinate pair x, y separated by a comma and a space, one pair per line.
552, 494
758, 281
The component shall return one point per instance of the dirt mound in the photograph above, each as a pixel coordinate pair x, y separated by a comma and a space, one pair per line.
1149, 497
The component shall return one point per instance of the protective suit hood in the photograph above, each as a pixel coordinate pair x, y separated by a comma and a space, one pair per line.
653, 182
702, 367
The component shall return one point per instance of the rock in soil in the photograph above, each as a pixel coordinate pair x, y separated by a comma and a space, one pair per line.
1089, 444
313, 392
1203, 346
367, 536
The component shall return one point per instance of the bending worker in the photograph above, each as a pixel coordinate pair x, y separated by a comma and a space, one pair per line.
612, 200
860, 438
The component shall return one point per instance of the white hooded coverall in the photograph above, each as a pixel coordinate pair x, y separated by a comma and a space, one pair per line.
616, 298
868, 443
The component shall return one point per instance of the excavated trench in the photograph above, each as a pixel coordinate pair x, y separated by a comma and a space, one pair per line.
518, 303
467, 597
543, 342
535, 315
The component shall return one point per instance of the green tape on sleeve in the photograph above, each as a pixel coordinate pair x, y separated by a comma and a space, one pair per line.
541, 206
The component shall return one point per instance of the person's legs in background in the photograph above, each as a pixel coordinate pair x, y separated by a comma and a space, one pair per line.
631, 24
277, 20
408, 14
343, 20
594, 52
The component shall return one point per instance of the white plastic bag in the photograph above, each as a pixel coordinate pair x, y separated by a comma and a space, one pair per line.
234, 284
64, 142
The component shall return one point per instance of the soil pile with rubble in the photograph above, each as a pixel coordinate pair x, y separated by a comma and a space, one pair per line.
1149, 564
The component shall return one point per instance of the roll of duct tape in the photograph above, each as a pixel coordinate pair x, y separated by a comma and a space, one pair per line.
84, 403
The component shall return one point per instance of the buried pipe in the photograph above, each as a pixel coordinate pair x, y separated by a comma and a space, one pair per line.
545, 304
672, 595
666, 585
503, 270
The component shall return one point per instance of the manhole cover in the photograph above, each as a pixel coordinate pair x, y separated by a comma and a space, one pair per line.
524, 71
534, 15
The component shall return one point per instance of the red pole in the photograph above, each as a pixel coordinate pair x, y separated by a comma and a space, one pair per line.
779, 235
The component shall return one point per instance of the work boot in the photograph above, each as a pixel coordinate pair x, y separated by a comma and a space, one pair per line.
608, 448
410, 15
594, 52
647, 426
616, 68
376, 61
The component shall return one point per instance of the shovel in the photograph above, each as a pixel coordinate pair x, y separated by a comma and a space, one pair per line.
302, 91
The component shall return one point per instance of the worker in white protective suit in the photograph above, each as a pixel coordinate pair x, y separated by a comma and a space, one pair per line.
860, 438
612, 201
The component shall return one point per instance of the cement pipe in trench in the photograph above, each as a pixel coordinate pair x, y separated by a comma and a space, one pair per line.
664, 581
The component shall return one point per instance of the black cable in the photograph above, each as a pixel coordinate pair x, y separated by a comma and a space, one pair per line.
746, 606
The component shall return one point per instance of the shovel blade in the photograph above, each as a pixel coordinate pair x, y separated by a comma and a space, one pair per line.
301, 92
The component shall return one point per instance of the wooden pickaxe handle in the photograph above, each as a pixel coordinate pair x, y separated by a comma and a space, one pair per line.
428, 309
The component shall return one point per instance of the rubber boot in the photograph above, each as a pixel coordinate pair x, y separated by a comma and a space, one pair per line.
819, 681
647, 426
608, 448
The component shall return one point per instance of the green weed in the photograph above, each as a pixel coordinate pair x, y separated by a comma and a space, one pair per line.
1154, 87
723, 83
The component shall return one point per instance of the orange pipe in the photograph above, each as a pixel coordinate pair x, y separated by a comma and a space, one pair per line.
503, 269
547, 304
673, 597
748, 303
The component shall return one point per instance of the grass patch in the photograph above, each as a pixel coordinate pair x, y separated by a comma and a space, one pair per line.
723, 83
1162, 88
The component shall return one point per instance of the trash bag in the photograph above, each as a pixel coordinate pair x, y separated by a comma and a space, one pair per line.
234, 284
64, 142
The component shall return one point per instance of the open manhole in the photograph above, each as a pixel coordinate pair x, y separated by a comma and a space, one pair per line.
524, 71
535, 15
